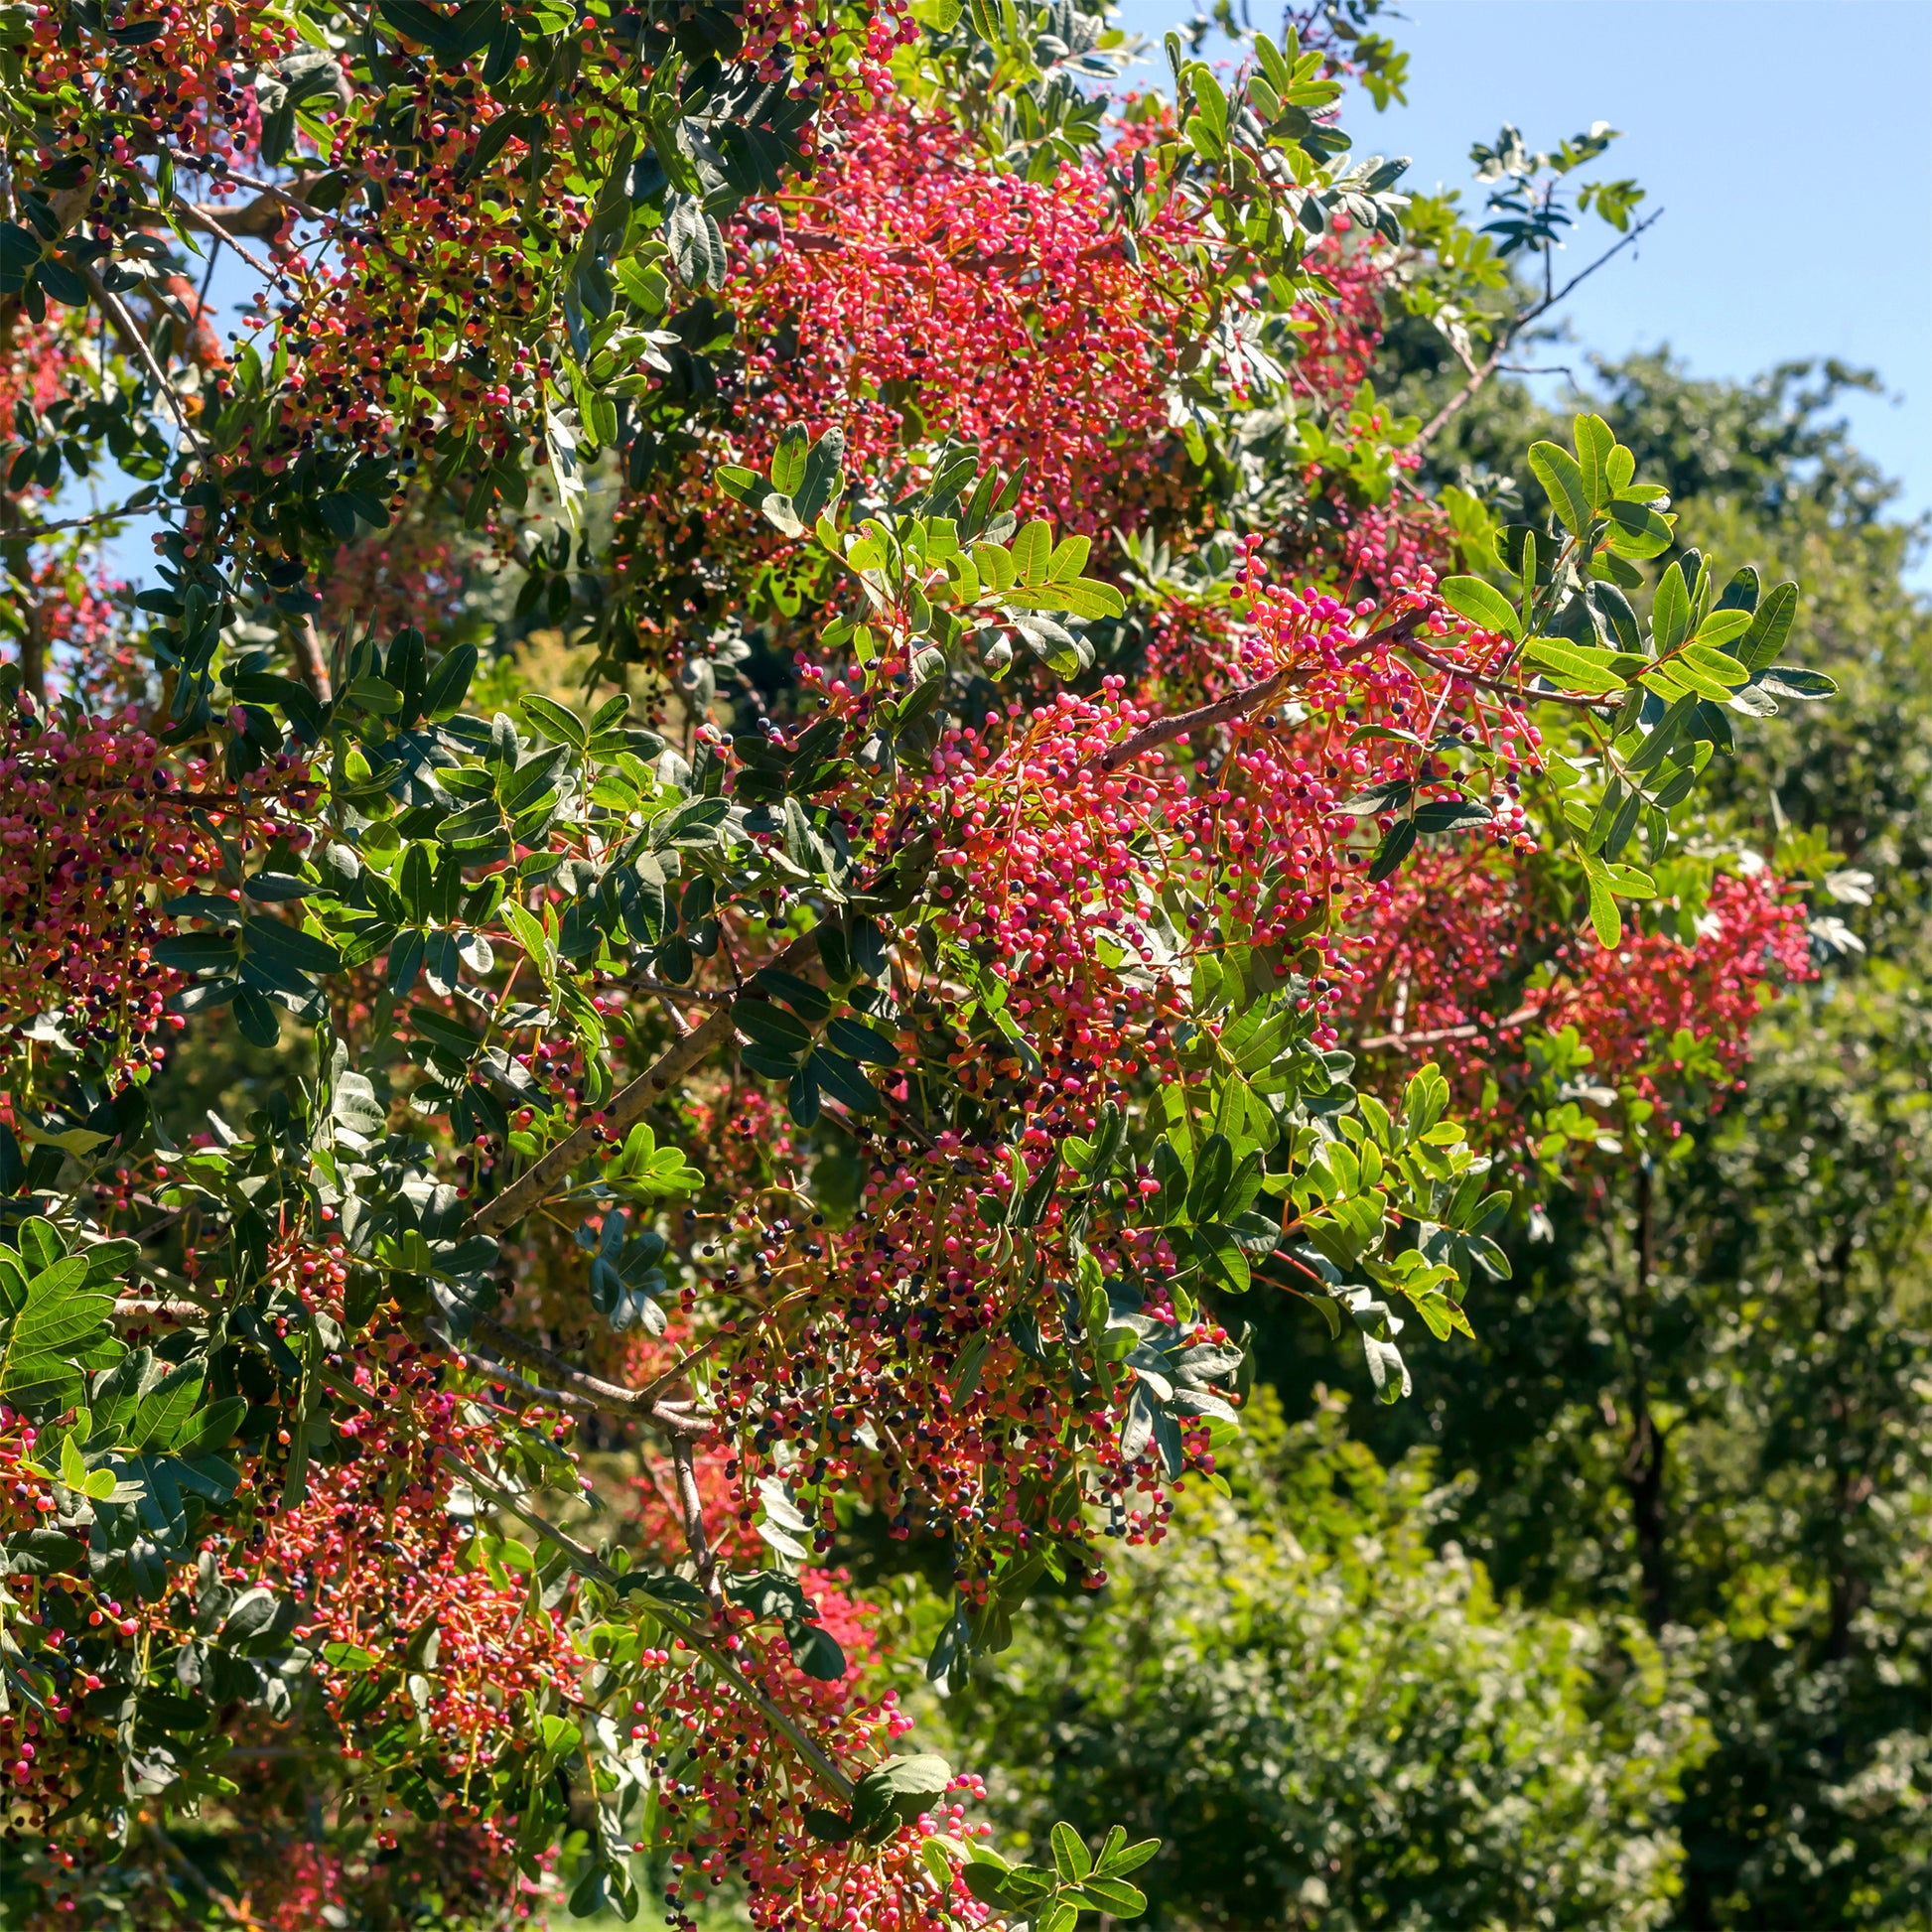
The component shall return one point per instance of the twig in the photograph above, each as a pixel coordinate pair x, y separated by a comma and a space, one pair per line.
261, 187
129, 509
588, 1391
509, 1379
236, 1914
1474, 676
200, 217
1515, 327
588, 1565
696, 995
678, 1369
115, 310
627, 1107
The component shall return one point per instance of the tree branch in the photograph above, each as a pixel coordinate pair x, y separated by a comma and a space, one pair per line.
125, 327
204, 218
581, 1390
697, 994
1237, 703
630, 1105
1515, 327
691, 1508
129, 1315
130, 509
1474, 1031
310, 661
1489, 683
588, 1565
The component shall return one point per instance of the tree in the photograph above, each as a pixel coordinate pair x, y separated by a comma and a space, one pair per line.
1785, 1320
871, 1101
1329, 1723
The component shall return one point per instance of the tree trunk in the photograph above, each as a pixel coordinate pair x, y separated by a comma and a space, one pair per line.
1643, 1460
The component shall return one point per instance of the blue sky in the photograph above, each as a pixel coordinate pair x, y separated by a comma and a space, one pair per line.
1789, 142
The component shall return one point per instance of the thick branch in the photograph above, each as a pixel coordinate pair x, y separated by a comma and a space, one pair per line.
630, 1105
509, 1378
1237, 703
310, 661
702, 996
691, 1507
1437, 1035
129, 1315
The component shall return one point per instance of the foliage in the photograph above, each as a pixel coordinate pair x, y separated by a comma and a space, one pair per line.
854, 1047
1732, 1445
1329, 1723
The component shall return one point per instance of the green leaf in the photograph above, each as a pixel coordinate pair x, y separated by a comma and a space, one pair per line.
1670, 611
1770, 626
1116, 1858
1393, 850
449, 684
1574, 667
1788, 681
1071, 1860
788, 458
1115, 1895
1714, 663
1070, 559
213, 1429
1214, 1169
1604, 915
165, 1408
1595, 441
697, 244
60, 1322
1637, 530
824, 478
1210, 100
898, 1786
1563, 481
809, 1001
1721, 626
1481, 604
1082, 597
861, 1041
841, 1079
555, 720
1033, 552
281, 944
